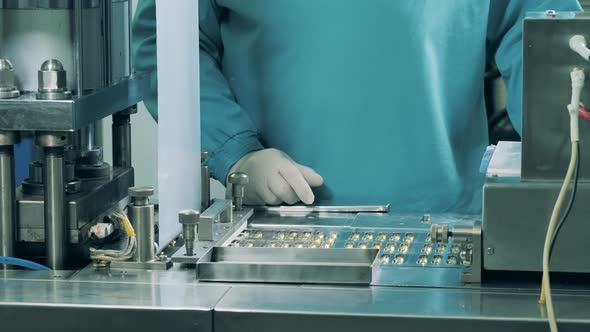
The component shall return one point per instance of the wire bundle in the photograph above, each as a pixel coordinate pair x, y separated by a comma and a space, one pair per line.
110, 255
556, 222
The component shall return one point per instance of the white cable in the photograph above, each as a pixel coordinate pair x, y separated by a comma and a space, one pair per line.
546, 284
578, 45
577, 77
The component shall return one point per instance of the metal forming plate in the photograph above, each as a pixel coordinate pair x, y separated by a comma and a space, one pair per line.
28, 113
405, 254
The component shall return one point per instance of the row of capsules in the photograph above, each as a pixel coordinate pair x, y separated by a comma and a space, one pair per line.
252, 238
394, 248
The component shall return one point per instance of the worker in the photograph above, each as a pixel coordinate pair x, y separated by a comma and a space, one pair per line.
351, 101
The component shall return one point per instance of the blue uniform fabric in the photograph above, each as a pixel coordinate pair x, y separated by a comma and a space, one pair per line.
383, 98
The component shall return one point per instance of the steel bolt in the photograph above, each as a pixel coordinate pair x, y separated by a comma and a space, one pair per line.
52, 81
7, 80
189, 220
238, 181
139, 195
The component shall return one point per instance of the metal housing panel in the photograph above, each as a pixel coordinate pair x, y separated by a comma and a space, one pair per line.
515, 220
548, 62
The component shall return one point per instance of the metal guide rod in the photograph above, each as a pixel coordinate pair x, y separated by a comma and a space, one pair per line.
55, 228
122, 139
78, 47
332, 209
7, 193
141, 215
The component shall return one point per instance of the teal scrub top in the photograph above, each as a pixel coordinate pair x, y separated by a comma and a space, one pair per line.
383, 98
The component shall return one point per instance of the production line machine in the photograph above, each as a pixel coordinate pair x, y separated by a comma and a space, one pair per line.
263, 268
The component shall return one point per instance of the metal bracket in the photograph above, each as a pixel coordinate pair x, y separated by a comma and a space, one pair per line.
471, 235
222, 233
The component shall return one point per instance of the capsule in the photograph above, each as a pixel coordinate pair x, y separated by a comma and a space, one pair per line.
403, 248
368, 236
363, 245
441, 248
395, 237
384, 259
452, 260
426, 249
437, 259
390, 247
399, 259
349, 245
382, 236
355, 236
422, 260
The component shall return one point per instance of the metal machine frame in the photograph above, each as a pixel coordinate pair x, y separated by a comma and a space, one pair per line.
61, 205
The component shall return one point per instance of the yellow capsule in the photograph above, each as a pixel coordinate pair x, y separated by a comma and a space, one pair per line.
286, 245
376, 245
390, 247
395, 237
249, 244
355, 236
363, 245
258, 235
441, 248
427, 248
280, 235
452, 260
409, 237
349, 245
299, 245
306, 235
403, 248
313, 245
368, 236
332, 236
382, 236
327, 245
384, 259
318, 236
399, 259
422, 260
293, 235
455, 248
437, 259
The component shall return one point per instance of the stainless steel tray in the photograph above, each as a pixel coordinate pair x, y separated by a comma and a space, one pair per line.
287, 265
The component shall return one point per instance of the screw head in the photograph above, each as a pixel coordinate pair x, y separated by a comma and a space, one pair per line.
490, 250
140, 192
189, 217
238, 178
551, 13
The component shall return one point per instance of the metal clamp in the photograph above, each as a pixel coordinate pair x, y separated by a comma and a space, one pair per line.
473, 252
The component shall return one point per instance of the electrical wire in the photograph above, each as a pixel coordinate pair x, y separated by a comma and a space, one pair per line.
546, 283
22, 263
570, 204
111, 255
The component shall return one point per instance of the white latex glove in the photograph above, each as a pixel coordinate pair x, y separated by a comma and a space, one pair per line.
275, 178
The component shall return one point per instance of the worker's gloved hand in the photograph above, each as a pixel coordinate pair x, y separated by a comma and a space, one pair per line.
274, 178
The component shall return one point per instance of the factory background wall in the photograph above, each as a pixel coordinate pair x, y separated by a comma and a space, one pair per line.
144, 136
